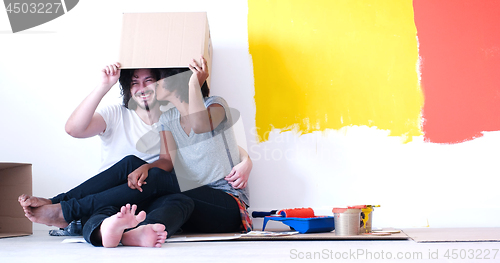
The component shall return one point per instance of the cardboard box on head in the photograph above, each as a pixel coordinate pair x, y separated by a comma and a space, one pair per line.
15, 180
165, 40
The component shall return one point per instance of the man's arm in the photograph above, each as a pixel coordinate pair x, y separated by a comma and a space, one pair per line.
84, 122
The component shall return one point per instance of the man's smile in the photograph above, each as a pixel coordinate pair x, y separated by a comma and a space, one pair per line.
144, 94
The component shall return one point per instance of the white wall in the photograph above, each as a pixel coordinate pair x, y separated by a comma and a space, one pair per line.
46, 71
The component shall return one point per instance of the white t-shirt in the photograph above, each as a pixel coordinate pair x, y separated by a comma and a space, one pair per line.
126, 134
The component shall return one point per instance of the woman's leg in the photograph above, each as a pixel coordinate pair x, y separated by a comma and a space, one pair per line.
108, 225
91, 228
214, 211
170, 210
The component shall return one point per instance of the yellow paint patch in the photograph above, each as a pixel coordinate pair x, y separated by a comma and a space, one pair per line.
329, 64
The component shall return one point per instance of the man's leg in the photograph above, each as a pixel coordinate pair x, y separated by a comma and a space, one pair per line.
111, 177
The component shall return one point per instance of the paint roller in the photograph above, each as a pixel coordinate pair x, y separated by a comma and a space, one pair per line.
298, 219
293, 212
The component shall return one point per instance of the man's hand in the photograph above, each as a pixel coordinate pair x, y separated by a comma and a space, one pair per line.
110, 75
137, 178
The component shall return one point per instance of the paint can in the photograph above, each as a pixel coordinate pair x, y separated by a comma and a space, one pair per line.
346, 221
366, 216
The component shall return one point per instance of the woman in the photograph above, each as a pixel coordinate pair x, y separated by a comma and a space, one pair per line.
197, 137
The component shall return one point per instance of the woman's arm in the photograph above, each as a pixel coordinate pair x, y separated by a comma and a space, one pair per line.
201, 118
238, 177
84, 122
167, 151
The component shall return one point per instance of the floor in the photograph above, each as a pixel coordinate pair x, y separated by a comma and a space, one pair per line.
40, 248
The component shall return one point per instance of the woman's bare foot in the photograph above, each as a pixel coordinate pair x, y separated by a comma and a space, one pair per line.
50, 215
112, 227
28, 201
152, 235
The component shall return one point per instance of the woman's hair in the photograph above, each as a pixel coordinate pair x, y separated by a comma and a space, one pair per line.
125, 83
175, 81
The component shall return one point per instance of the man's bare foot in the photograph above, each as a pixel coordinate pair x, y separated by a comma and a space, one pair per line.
152, 235
112, 227
50, 215
28, 201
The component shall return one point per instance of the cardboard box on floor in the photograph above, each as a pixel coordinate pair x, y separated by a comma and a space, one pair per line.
165, 40
15, 179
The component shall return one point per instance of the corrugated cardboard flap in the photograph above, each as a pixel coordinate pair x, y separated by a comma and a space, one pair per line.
15, 179
164, 40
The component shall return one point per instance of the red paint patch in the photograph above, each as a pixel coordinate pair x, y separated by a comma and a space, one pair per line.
460, 51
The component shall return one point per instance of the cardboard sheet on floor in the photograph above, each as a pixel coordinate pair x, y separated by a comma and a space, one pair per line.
422, 235
289, 237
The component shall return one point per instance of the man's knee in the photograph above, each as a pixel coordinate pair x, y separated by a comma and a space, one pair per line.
132, 159
158, 171
158, 174
165, 182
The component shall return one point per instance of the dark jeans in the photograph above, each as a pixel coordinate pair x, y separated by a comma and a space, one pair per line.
215, 211
110, 188
170, 210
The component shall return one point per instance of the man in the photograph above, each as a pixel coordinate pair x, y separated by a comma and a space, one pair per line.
120, 127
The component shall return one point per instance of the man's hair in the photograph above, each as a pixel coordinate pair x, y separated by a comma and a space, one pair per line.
125, 83
177, 79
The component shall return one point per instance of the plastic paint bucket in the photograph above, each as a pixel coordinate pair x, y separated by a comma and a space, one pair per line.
346, 221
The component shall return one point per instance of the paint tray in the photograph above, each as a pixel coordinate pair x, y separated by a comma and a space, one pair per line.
304, 225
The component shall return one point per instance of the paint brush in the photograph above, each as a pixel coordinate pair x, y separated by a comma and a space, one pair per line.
264, 214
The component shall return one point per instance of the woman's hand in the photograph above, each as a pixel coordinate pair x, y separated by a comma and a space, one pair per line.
137, 178
238, 177
200, 73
